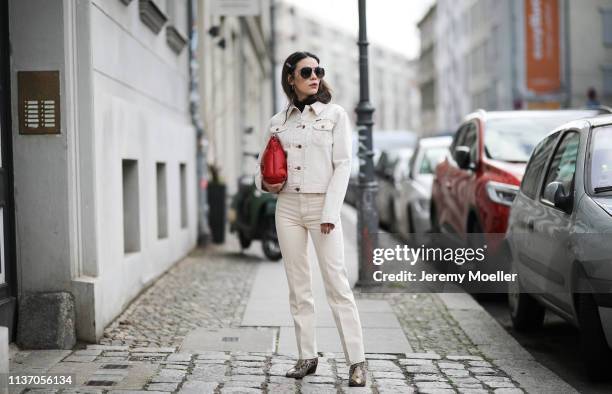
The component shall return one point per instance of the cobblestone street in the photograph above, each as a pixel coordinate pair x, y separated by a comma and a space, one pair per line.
207, 289
140, 351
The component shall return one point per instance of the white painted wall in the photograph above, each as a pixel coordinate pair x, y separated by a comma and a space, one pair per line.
124, 95
141, 112
40, 162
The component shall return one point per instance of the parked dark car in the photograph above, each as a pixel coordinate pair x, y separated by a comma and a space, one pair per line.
388, 176
413, 191
559, 234
381, 140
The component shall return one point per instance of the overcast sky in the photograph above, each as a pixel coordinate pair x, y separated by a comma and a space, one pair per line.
391, 23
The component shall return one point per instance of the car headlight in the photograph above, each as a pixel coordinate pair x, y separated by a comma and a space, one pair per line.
502, 193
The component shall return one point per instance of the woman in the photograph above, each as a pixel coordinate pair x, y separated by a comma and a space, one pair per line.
316, 136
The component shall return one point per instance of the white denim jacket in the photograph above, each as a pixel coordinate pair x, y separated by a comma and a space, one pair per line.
318, 146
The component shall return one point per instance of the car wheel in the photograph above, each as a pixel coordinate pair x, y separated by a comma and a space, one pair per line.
392, 219
269, 240
485, 291
433, 217
409, 221
593, 345
526, 313
478, 239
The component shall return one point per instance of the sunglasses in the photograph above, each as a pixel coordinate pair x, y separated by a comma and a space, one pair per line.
306, 72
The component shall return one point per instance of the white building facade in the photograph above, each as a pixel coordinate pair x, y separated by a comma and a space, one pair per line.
474, 58
105, 197
236, 86
427, 71
520, 54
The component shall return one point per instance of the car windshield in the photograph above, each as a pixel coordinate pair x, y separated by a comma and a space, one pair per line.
396, 155
601, 159
431, 158
513, 139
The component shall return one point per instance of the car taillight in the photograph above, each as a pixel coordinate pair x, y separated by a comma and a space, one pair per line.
502, 193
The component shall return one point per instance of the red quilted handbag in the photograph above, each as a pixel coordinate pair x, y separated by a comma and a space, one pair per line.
274, 162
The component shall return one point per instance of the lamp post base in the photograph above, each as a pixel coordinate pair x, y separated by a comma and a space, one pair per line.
367, 236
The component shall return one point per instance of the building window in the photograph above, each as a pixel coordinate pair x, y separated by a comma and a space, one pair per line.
131, 207
492, 96
428, 96
152, 14
176, 31
162, 201
183, 194
607, 80
606, 25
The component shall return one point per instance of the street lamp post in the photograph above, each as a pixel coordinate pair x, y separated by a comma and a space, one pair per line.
367, 219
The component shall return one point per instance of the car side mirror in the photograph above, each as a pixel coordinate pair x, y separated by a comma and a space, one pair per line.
556, 194
462, 157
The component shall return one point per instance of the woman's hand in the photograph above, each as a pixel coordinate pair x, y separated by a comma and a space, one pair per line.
272, 188
326, 228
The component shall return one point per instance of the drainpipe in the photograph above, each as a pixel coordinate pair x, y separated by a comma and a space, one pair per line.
201, 141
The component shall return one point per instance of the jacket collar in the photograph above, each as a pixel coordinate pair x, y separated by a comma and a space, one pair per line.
317, 107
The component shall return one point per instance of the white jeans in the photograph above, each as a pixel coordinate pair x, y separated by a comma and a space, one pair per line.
298, 214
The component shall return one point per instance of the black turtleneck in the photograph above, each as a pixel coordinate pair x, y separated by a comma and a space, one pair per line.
307, 101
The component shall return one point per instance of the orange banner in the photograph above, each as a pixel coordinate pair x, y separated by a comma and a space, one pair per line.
543, 73
544, 105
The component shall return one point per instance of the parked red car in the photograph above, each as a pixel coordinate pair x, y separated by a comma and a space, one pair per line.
475, 185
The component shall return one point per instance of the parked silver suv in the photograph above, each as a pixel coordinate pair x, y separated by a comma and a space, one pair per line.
560, 237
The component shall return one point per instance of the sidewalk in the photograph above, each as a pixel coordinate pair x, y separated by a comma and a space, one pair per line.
219, 322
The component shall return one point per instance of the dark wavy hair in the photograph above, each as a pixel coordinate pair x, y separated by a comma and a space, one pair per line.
289, 66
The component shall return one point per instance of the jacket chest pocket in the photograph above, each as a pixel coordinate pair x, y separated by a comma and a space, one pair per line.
322, 132
283, 135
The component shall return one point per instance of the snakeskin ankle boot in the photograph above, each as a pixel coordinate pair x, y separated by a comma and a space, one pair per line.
357, 374
303, 368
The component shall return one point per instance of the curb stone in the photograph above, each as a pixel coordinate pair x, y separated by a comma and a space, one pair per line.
501, 348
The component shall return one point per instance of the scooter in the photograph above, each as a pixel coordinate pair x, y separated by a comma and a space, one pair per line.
251, 216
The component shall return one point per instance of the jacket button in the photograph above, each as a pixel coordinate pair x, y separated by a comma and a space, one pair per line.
298, 168
297, 189
303, 126
299, 146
